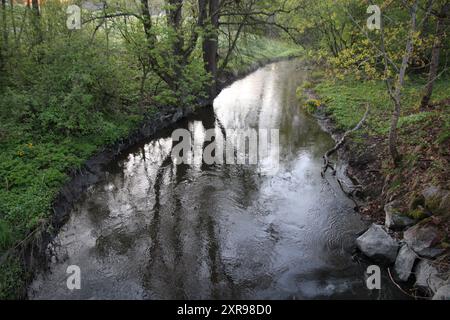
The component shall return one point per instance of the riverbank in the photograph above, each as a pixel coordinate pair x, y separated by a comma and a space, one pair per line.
411, 201
44, 177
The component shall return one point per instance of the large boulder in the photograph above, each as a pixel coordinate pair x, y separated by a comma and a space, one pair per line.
395, 219
443, 293
437, 200
377, 244
404, 262
423, 239
428, 277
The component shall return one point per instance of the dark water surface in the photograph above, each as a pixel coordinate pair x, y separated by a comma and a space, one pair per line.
155, 230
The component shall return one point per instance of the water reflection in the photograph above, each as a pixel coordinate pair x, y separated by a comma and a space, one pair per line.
157, 230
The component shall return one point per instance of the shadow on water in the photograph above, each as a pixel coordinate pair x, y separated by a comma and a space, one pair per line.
155, 230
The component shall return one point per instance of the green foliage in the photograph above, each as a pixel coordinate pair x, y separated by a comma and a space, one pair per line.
12, 279
252, 48
335, 34
65, 96
5, 234
311, 105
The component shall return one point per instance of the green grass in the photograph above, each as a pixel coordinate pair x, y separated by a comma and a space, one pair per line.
423, 136
253, 48
33, 168
346, 99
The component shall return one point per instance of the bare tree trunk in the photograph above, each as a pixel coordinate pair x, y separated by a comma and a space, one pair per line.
36, 21
435, 52
35, 7
4, 42
13, 19
396, 96
174, 20
211, 45
150, 38
4, 25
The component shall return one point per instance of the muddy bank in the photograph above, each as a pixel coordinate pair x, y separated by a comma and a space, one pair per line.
36, 249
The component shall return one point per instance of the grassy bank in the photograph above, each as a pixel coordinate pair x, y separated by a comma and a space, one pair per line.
57, 121
424, 136
252, 48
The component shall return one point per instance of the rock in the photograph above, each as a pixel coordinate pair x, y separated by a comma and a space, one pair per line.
416, 201
443, 293
421, 239
404, 262
394, 219
377, 244
427, 277
437, 200
91, 6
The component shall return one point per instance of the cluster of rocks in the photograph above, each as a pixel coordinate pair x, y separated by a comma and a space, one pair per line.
413, 254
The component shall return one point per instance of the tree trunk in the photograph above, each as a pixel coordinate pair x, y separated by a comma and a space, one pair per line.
174, 19
435, 52
4, 25
4, 41
211, 45
396, 158
35, 6
398, 89
150, 38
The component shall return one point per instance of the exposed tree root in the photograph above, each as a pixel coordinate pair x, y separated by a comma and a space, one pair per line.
326, 162
350, 194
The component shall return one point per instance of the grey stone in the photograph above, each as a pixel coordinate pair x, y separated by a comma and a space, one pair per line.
427, 276
443, 293
91, 6
394, 219
437, 200
376, 243
404, 262
422, 239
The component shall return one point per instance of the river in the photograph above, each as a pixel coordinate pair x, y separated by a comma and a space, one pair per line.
155, 230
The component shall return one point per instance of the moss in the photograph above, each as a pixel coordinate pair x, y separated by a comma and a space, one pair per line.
416, 201
418, 214
433, 203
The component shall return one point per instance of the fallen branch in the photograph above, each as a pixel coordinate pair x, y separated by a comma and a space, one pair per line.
326, 162
402, 290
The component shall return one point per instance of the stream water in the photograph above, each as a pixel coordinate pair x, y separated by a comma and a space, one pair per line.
155, 230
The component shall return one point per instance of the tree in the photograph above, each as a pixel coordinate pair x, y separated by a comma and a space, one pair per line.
211, 40
4, 41
440, 35
395, 86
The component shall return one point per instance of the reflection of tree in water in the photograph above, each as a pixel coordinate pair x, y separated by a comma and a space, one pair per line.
173, 278
181, 214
